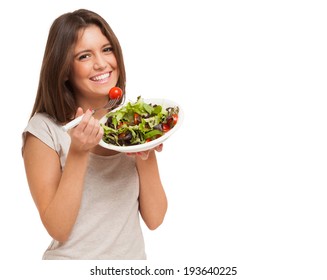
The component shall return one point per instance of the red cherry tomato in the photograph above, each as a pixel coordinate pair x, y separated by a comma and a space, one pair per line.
115, 93
172, 120
165, 127
175, 118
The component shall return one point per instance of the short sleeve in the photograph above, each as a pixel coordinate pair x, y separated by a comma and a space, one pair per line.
49, 132
39, 127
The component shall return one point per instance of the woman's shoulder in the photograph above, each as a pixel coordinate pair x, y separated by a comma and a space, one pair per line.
42, 118
43, 121
48, 130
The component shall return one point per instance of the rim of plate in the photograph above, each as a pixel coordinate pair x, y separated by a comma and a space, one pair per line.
147, 146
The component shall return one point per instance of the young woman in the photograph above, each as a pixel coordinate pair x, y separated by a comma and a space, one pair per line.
89, 198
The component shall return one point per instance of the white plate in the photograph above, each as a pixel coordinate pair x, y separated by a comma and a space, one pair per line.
149, 145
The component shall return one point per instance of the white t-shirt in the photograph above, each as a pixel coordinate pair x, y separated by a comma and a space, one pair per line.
108, 224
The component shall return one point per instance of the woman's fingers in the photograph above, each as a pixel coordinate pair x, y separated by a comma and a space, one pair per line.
79, 112
85, 121
159, 147
98, 131
89, 126
88, 133
145, 154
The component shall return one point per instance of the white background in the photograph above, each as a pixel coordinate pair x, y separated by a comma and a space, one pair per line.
245, 175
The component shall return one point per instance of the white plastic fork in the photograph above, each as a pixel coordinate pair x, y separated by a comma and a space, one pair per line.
111, 104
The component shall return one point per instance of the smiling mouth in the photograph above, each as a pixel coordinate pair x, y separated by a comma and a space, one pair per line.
101, 77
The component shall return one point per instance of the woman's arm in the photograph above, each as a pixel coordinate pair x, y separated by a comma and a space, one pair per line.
152, 198
57, 194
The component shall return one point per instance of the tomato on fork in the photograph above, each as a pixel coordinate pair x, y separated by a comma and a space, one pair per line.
115, 93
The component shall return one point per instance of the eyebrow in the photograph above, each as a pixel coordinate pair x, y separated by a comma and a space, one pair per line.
88, 50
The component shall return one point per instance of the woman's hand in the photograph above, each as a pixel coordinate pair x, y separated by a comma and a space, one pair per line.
87, 134
145, 154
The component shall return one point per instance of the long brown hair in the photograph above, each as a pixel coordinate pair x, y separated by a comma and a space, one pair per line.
55, 95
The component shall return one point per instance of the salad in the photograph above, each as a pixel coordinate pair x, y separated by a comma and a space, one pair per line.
138, 123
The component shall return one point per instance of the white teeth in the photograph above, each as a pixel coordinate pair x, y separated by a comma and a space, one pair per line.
101, 77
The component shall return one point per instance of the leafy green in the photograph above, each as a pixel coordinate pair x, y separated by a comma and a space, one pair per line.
136, 123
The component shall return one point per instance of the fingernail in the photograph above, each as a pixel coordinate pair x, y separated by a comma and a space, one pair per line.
159, 148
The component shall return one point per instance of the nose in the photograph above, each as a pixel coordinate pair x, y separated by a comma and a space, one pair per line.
99, 62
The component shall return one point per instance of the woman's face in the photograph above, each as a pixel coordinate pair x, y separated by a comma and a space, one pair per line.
94, 69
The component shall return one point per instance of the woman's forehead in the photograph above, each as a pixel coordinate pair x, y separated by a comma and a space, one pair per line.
90, 35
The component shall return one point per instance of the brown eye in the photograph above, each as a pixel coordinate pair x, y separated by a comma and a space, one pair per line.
108, 49
83, 56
